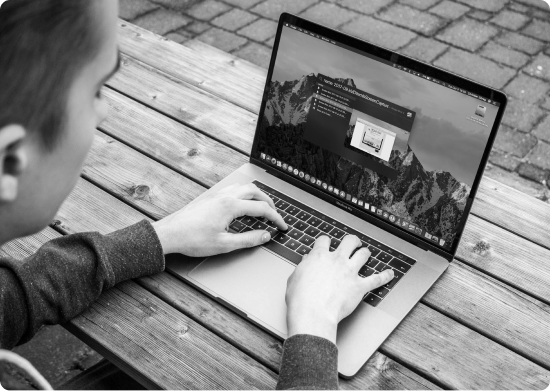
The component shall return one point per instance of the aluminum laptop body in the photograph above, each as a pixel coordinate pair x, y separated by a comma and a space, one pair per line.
386, 145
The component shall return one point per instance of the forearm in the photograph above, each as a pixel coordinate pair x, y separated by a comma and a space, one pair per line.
308, 363
68, 274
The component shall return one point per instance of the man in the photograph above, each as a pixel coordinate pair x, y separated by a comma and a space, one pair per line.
55, 56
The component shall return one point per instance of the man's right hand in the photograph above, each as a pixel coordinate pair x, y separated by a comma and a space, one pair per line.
326, 287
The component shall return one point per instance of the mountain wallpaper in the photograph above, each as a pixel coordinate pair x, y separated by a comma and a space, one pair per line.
433, 200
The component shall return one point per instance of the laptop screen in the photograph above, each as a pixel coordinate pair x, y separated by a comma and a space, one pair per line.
393, 142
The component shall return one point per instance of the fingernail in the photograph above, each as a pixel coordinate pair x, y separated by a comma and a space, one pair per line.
266, 237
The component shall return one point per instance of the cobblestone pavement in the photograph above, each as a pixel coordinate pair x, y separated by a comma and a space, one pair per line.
502, 43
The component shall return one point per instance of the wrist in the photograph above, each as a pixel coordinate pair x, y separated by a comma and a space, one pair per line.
314, 323
163, 237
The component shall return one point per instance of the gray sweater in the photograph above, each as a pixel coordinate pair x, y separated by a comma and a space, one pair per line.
68, 274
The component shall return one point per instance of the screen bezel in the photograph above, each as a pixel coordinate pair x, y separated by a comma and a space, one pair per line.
369, 50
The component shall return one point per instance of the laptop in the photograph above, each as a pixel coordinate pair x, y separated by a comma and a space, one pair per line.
353, 138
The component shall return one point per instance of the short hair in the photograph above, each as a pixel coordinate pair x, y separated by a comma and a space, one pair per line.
43, 46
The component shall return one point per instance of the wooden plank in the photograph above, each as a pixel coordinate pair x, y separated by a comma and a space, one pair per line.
501, 254
190, 105
184, 150
495, 202
130, 322
217, 73
142, 182
24, 247
482, 367
506, 207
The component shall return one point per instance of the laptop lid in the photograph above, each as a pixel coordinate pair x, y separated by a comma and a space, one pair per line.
396, 142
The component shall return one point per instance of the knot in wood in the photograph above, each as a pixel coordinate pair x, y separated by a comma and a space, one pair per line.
277, 347
182, 331
482, 248
55, 223
193, 152
140, 192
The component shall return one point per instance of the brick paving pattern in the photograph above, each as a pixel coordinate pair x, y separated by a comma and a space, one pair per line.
503, 43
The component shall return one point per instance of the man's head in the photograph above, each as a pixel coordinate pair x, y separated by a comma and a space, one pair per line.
55, 56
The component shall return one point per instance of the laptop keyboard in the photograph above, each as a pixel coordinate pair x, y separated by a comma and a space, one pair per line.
306, 224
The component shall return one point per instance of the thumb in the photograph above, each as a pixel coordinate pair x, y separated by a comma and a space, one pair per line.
377, 280
248, 239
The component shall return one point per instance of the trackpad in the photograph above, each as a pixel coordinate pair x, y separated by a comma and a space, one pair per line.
253, 280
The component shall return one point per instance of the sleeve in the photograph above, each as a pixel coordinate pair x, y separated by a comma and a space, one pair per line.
308, 363
68, 274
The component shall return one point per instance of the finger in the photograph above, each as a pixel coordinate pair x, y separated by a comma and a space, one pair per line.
360, 257
377, 280
251, 192
246, 239
260, 209
349, 244
322, 242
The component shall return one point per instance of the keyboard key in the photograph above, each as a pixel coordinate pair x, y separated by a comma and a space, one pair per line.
366, 271
325, 227
272, 231
290, 220
384, 257
399, 265
259, 225
304, 216
337, 233
381, 292
292, 210
313, 232
282, 204
374, 251
246, 229
270, 223
281, 238
307, 240
275, 199
304, 250
380, 266
293, 244
248, 220
300, 225
283, 214
283, 252
372, 262
314, 221
372, 299
295, 234
334, 243
237, 226
396, 278
408, 260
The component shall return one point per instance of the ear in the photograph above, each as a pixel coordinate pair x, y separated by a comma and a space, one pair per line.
13, 161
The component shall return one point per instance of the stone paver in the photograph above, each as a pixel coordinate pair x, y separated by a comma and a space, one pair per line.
542, 131
449, 9
208, 10
468, 34
480, 15
539, 67
365, 6
245, 4
536, 3
420, 4
178, 5
503, 55
234, 19
540, 155
328, 14
272, 9
475, 67
528, 89
538, 29
255, 53
530, 171
520, 42
260, 30
486, 5
221, 39
510, 20
504, 160
425, 49
411, 18
522, 115
131, 9
379, 32
162, 21
515, 143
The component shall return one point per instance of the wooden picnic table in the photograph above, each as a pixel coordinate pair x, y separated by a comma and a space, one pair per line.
182, 118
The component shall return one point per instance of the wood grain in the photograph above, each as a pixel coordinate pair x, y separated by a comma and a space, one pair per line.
188, 152
148, 186
164, 345
190, 105
495, 202
219, 73
21, 248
